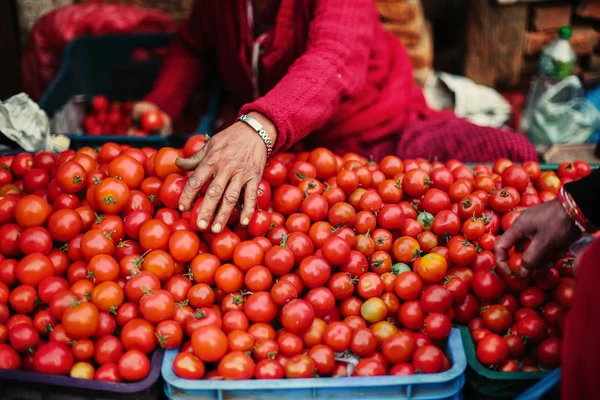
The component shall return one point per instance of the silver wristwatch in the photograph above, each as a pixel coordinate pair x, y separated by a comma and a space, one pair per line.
257, 126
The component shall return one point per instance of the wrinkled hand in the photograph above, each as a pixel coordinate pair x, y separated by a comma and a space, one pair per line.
550, 230
235, 157
143, 106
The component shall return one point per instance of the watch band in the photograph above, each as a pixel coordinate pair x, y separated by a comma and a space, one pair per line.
257, 126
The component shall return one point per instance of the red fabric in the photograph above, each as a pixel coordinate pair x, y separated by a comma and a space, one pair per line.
580, 352
329, 70
52, 32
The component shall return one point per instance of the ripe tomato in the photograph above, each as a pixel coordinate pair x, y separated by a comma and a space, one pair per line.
64, 225
209, 343
492, 350
297, 316
487, 285
164, 162
80, 320
152, 121
300, 366
107, 296
187, 366
34, 268
160, 263
260, 307
134, 365
432, 268
399, 348
428, 359
31, 211
111, 195
314, 271
53, 358
157, 306
408, 286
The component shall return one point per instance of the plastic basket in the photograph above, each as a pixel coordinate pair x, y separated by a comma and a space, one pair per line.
31, 385
489, 384
110, 65
547, 387
446, 385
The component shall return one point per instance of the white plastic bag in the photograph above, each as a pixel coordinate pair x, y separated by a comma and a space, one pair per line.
562, 115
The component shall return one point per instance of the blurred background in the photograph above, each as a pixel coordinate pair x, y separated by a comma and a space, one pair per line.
493, 43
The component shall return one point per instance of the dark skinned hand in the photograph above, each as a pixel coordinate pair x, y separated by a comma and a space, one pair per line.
550, 230
235, 159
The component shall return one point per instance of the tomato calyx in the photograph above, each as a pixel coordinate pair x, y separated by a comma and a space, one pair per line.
113, 310
376, 264
239, 299
99, 218
398, 184
77, 179
161, 339
299, 175
96, 180
189, 274
110, 200
182, 304
152, 198
198, 314
427, 182
48, 328
416, 254
271, 355
425, 219
283, 242
108, 235
90, 276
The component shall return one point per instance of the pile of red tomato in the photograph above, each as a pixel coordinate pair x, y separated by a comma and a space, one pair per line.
114, 118
343, 257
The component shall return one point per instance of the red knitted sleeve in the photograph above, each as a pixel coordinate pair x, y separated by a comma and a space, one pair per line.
182, 67
334, 66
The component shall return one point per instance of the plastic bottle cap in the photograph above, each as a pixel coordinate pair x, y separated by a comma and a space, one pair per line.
565, 32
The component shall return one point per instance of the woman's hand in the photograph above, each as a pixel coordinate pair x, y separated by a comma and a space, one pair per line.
550, 230
235, 159
140, 109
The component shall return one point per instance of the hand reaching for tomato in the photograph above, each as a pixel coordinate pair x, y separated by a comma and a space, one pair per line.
235, 159
550, 230
151, 119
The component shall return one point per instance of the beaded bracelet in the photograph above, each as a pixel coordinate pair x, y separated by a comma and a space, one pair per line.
573, 210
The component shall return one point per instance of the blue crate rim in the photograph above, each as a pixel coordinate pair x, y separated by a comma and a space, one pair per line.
90, 384
459, 364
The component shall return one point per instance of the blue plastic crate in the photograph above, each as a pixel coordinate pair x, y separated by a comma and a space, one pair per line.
107, 65
547, 385
446, 385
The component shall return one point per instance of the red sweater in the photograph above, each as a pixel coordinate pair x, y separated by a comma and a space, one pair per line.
328, 68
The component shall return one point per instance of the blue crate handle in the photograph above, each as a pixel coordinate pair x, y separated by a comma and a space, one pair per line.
545, 385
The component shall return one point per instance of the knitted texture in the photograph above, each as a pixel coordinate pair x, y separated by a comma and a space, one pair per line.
453, 138
329, 74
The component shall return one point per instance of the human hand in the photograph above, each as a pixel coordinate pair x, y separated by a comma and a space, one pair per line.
142, 107
235, 158
550, 230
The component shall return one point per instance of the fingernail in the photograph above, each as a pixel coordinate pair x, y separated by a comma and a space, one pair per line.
245, 222
181, 208
216, 228
202, 224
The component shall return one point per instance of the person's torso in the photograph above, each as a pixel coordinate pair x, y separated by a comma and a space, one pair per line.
386, 101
